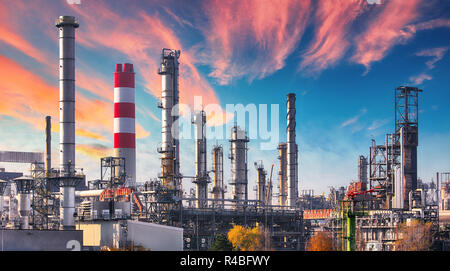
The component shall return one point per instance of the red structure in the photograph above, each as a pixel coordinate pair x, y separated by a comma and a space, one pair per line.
124, 119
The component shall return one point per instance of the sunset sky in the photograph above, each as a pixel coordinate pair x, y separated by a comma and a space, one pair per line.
343, 59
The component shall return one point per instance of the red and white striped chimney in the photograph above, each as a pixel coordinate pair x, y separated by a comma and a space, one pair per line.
124, 119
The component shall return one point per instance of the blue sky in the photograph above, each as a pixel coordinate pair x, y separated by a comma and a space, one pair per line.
343, 60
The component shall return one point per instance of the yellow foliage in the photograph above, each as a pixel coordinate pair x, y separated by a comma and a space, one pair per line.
321, 241
246, 239
415, 236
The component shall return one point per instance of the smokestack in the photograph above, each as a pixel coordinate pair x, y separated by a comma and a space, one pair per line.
238, 158
282, 174
66, 26
124, 119
67, 179
201, 178
48, 144
292, 152
170, 153
218, 189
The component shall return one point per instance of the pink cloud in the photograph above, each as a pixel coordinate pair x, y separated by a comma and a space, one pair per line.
386, 30
419, 79
251, 38
140, 38
333, 19
441, 22
436, 53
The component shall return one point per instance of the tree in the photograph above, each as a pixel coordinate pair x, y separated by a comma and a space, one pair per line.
414, 236
321, 241
221, 244
246, 239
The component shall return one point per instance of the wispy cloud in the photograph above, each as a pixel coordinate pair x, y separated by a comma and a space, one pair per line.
142, 46
96, 151
419, 79
378, 124
251, 38
386, 30
28, 98
178, 19
436, 54
333, 20
146, 112
354, 119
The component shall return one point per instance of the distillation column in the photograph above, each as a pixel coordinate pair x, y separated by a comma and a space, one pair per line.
170, 153
124, 120
292, 152
218, 191
201, 178
261, 184
238, 156
362, 169
67, 181
282, 174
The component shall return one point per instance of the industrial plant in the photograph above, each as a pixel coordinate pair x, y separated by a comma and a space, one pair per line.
54, 206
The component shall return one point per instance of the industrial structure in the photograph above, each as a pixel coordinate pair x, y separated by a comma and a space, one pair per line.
239, 172
116, 210
218, 191
292, 152
124, 120
282, 175
170, 149
201, 176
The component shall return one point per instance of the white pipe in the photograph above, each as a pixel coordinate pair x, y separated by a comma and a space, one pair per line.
88, 193
67, 207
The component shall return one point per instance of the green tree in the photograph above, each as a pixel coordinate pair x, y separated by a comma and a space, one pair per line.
221, 244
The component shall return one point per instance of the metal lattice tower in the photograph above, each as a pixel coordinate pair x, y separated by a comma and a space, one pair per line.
407, 135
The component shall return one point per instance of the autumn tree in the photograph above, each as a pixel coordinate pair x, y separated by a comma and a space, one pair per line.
321, 241
414, 236
246, 239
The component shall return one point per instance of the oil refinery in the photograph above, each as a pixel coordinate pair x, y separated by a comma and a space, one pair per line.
55, 207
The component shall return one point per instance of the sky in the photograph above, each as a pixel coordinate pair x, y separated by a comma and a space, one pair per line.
342, 59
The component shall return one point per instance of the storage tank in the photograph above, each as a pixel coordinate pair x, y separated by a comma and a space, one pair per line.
24, 186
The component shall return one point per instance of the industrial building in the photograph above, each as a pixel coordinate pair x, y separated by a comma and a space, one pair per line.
118, 212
